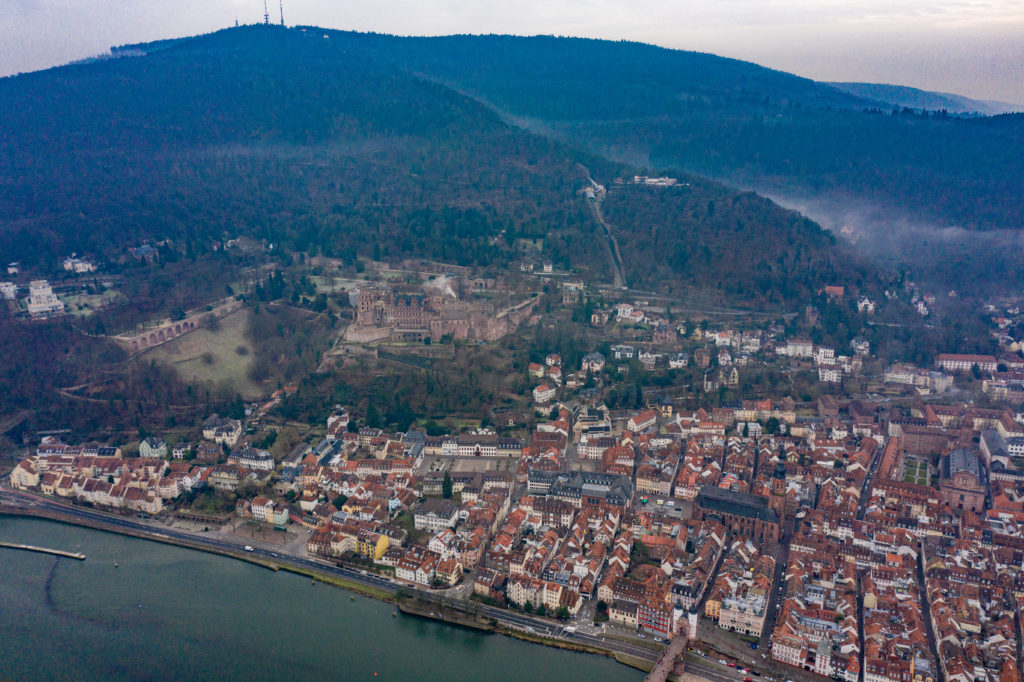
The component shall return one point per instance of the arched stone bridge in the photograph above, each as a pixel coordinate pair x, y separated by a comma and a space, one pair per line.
137, 343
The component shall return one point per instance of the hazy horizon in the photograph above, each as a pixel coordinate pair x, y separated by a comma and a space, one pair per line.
964, 47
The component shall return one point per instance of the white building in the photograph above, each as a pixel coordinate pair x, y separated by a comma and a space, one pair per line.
435, 515
42, 302
543, 394
865, 305
78, 266
268, 511
222, 431
797, 348
623, 352
678, 360
744, 613
824, 355
8, 291
648, 359
253, 458
830, 375
860, 346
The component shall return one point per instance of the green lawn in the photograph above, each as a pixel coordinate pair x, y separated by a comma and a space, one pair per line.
86, 304
916, 471
213, 356
334, 285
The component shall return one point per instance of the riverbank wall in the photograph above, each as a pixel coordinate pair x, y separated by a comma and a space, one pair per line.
409, 605
70, 519
240, 555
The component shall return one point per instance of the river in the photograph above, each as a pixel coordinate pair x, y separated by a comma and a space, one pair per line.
168, 613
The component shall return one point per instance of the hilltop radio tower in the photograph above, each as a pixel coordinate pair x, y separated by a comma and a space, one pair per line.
281, 2
266, 15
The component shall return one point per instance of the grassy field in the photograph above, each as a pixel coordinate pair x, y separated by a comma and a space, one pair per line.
86, 304
213, 356
331, 285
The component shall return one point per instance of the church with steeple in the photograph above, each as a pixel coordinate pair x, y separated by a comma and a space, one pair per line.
777, 499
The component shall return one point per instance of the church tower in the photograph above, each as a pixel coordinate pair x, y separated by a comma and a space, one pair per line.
778, 494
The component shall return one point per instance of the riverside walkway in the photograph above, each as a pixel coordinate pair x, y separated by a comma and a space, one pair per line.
44, 550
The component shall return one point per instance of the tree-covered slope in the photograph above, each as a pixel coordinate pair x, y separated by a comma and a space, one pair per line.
273, 134
740, 245
578, 79
915, 98
330, 145
736, 121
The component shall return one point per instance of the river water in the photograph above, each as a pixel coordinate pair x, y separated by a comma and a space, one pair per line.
168, 613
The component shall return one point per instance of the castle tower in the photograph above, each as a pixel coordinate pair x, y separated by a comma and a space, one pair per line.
777, 501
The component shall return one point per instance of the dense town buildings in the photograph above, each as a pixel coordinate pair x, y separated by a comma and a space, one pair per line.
860, 535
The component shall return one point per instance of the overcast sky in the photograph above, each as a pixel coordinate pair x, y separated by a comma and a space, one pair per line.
969, 47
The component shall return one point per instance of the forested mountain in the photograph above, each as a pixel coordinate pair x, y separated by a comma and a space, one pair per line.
579, 79
324, 144
738, 122
772, 256
914, 98
271, 134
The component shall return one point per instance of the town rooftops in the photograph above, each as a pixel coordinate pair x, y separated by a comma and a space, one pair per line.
613, 488
993, 442
962, 459
253, 454
715, 499
439, 508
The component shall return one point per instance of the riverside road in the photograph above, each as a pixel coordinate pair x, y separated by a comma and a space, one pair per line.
512, 620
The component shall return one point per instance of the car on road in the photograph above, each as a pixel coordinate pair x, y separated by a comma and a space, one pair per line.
249, 548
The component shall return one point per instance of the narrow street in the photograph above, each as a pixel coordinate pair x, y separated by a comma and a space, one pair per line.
860, 621
775, 598
926, 614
